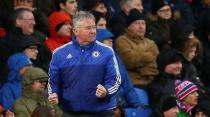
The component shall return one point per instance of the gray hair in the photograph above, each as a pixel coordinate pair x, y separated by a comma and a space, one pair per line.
80, 16
18, 13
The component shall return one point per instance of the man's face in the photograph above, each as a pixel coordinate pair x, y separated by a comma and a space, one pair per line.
136, 4
26, 23
101, 8
85, 31
70, 7
172, 112
101, 24
174, 68
65, 30
138, 27
39, 86
192, 99
165, 12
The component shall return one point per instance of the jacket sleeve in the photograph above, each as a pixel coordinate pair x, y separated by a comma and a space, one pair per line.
21, 110
127, 87
54, 80
112, 76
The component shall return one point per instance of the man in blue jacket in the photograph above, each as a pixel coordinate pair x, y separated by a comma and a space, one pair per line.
84, 74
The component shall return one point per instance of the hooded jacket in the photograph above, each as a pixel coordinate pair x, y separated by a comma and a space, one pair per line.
56, 40
30, 99
12, 89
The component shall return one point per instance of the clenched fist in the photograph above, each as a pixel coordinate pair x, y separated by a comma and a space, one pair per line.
53, 99
100, 91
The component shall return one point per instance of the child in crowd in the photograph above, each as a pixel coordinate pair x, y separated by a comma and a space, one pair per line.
187, 97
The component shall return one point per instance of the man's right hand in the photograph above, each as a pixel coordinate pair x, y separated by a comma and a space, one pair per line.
53, 99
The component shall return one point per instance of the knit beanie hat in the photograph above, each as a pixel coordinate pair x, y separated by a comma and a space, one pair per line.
157, 4
168, 103
184, 88
166, 57
27, 41
134, 15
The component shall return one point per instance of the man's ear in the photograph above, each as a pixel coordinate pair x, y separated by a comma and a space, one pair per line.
62, 6
18, 22
126, 8
75, 31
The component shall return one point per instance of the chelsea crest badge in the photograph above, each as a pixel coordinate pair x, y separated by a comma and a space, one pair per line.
95, 54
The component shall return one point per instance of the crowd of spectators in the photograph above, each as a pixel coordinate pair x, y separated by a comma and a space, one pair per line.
161, 47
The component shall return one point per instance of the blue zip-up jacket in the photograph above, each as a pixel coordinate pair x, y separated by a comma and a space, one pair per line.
75, 71
12, 88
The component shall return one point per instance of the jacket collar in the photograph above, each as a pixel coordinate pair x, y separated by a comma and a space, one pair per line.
133, 36
184, 107
85, 47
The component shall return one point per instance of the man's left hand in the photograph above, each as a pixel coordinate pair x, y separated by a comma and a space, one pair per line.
101, 91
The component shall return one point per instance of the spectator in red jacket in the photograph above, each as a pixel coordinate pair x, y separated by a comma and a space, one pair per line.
60, 30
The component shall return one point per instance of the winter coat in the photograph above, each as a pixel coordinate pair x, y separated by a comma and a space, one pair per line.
31, 99
12, 88
25, 105
159, 32
55, 39
189, 72
139, 57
